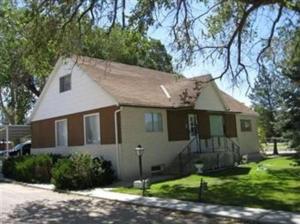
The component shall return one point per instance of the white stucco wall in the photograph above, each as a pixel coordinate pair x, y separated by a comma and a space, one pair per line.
158, 150
248, 141
85, 94
209, 100
108, 152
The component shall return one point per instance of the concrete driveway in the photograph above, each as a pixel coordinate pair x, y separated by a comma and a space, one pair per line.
20, 204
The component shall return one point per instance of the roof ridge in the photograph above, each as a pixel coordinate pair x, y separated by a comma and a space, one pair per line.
89, 61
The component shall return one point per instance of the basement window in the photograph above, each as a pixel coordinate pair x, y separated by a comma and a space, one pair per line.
65, 83
157, 169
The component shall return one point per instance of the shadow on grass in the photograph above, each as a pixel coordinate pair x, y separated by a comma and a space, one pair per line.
251, 194
286, 174
235, 171
296, 159
239, 193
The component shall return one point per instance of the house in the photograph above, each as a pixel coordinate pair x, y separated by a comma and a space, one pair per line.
107, 109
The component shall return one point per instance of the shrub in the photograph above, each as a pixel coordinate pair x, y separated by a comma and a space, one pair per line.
103, 173
81, 172
8, 166
29, 168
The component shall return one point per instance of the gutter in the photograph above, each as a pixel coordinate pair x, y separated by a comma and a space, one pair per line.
117, 142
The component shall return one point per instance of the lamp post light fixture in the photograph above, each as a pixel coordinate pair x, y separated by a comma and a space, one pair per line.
140, 151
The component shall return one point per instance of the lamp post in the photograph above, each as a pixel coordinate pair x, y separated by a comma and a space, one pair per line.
140, 151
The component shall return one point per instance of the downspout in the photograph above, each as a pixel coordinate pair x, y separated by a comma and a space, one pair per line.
7, 139
117, 142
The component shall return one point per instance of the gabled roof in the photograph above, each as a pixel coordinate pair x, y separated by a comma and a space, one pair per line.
137, 86
236, 106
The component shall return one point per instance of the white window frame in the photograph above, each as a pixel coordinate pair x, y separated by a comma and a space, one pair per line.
62, 77
152, 130
67, 141
99, 128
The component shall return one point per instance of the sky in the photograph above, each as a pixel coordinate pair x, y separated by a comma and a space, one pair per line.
240, 92
199, 68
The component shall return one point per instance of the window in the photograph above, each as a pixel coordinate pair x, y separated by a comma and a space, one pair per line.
246, 125
153, 122
157, 169
216, 125
65, 83
92, 129
61, 132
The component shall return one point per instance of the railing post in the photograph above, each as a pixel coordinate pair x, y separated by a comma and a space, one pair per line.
218, 160
200, 147
180, 163
197, 142
219, 141
213, 144
226, 140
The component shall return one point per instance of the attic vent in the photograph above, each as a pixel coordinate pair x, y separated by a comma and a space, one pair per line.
165, 91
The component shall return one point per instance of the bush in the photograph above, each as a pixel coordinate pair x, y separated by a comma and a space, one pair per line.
81, 172
29, 168
72, 172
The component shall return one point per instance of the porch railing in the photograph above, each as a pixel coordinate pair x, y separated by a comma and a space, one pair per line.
214, 144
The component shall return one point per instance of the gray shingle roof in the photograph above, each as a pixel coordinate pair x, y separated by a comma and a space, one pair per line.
137, 86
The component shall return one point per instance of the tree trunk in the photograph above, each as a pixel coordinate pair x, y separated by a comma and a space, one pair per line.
275, 150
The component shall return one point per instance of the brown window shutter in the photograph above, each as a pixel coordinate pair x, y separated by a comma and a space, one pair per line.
230, 125
203, 122
177, 125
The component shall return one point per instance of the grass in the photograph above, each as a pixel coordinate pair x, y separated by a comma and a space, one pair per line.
271, 184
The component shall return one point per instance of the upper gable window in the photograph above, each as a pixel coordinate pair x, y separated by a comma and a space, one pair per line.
65, 83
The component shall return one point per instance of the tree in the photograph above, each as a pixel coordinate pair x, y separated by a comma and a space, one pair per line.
289, 118
29, 50
226, 30
265, 97
127, 46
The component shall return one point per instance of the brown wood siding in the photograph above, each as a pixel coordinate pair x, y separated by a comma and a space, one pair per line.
75, 130
107, 125
43, 132
230, 125
177, 125
204, 126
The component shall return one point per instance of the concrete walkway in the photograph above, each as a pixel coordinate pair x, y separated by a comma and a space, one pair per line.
251, 214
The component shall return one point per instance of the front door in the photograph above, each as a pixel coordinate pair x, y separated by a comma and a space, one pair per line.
193, 131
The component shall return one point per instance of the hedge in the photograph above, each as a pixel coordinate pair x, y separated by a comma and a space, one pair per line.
28, 168
74, 172
81, 172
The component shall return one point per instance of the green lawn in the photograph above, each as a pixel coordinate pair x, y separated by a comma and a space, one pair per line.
272, 184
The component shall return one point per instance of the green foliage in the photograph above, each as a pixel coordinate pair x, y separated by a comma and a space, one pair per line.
265, 97
81, 172
31, 42
271, 184
73, 172
29, 168
291, 64
128, 47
